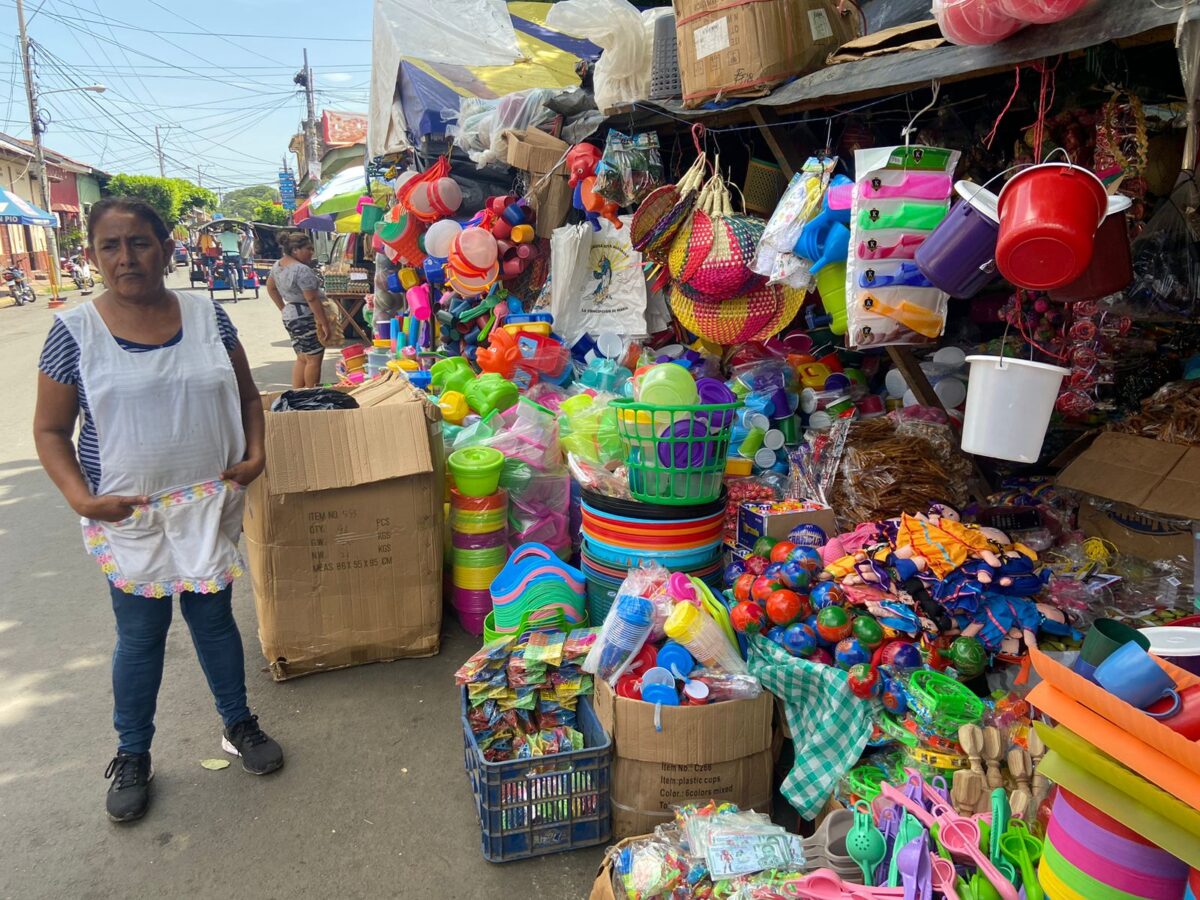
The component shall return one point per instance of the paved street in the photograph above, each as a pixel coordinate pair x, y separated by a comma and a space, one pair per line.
373, 801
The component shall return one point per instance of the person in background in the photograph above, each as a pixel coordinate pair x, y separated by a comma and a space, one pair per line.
388, 305
171, 433
246, 246
230, 242
295, 288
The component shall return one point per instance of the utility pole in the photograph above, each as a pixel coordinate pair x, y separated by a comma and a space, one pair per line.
39, 157
162, 172
199, 177
312, 160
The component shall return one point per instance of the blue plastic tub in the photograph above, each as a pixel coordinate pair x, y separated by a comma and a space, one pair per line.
531, 807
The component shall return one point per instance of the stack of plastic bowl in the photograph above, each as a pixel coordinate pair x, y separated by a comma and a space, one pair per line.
619, 534
1089, 854
479, 550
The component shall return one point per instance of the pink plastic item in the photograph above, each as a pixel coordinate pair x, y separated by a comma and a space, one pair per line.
912, 185
418, 301
1040, 12
841, 196
974, 22
905, 248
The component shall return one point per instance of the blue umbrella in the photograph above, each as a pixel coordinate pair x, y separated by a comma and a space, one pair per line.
15, 210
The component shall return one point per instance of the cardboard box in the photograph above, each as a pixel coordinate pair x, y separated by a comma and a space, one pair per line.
743, 48
717, 752
1154, 488
344, 533
757, 519
542, 156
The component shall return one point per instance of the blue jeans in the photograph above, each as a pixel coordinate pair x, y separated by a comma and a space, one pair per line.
142, 624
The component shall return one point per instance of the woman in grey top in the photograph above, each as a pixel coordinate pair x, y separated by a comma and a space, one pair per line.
296, 289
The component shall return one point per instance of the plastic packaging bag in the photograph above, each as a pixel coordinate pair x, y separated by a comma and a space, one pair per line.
482, 123
1166, 261
630, 168
596, 281
800, 202
624, 34
310, 399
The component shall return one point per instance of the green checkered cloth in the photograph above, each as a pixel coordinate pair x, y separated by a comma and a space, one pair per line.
830, 726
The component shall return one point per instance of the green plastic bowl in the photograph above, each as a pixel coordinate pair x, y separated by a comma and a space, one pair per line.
476, 470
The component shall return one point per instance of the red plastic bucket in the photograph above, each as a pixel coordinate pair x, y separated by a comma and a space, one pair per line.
1048, 220
1111, 268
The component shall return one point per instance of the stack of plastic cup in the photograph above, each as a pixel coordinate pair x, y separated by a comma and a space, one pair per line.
624, 632
479, 550
703, 638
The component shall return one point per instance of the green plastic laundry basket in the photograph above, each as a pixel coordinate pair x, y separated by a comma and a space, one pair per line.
675, 454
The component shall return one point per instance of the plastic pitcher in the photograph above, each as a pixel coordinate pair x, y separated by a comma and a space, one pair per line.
1009, 403
703, 638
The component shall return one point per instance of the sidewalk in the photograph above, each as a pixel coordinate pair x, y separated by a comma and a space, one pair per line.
373, 801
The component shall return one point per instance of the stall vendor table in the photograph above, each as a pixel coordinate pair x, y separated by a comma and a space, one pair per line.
350, 305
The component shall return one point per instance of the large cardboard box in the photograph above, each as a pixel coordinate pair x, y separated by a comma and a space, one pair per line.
543, 157
721, 752
1154, 489
744, 48
344, 534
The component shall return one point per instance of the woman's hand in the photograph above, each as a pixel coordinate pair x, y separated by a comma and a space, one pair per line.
245, 471
323, 330
110, 507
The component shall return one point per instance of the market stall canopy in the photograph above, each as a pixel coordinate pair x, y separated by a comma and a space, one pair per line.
428, 54
16, 210
305, 218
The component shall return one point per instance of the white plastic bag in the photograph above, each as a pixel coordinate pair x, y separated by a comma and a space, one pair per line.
624, 34
482, 123
596, 280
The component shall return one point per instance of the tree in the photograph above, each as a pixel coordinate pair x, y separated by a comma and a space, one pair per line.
241, 203
271, 214
170, 197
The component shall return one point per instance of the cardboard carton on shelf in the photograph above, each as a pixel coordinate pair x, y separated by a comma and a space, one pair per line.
1147, 494
744, 48
344, 533
721, 751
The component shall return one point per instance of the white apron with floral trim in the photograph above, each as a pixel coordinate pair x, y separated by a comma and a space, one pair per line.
168, 423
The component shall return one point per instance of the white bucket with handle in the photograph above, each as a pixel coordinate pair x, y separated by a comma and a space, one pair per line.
1009, 403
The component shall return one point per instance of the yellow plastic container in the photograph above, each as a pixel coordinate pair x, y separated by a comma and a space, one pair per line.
453, 406
736, 467
409, 278
382, 344
542, 328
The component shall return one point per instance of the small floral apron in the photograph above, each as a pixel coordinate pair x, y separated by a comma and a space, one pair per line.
168, 422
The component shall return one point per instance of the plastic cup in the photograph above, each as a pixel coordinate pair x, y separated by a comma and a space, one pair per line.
703, 638
657, 675
1106, 637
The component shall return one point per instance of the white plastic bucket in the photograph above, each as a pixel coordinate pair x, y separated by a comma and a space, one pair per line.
1009, 402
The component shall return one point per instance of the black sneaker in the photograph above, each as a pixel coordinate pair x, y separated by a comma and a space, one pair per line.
129, 794
260, 754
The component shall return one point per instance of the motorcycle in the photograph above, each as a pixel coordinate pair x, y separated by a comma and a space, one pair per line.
18, 287
81, 274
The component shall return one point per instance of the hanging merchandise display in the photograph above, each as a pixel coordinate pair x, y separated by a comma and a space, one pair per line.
901, 195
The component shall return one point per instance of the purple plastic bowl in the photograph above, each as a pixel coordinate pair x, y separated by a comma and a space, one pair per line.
713, 391
958, 257
463, 541
686, 456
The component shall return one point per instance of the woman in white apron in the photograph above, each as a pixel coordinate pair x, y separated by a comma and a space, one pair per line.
171, 433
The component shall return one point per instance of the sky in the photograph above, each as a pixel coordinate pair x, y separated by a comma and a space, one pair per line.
215, 77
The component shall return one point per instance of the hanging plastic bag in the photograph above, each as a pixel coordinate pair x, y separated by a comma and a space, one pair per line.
625, 35
630, 168
1166, 263
597, 283
482, 123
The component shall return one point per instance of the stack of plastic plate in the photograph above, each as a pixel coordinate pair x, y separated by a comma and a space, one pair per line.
619, 534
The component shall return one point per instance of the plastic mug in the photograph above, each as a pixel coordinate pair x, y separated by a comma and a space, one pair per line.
1187, 720
657, 675
1132, 675
1105, 637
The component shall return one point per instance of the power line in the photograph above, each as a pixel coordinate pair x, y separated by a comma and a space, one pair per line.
173, 12
274, 37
